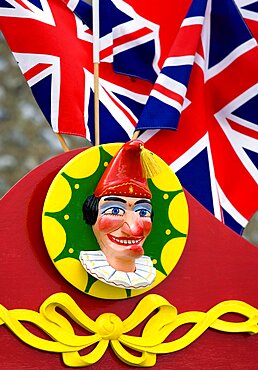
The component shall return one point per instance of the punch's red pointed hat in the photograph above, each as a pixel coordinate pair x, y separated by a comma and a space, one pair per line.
124, 174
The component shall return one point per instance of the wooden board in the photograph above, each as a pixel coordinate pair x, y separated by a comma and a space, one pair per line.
216, 265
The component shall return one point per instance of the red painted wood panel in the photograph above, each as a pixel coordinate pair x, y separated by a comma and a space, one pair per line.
216, 265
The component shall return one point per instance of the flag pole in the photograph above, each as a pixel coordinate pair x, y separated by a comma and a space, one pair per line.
136, 134
95, 16
62, 142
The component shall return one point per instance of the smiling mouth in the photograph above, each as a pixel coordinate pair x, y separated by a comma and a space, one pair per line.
125, 241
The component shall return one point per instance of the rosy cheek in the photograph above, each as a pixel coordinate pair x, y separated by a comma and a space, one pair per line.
147, 226
108, 224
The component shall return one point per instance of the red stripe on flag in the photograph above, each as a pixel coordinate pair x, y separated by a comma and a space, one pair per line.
236, 78
180, 47
253, 26
36, 70
131, 119
170, 94
123, 40
106, 52
192, 124
21, 3
243, 130
230, 170
131, 36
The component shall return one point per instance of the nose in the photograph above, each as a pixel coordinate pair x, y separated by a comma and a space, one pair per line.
133, 225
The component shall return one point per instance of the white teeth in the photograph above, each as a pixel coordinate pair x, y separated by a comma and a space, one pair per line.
127, 242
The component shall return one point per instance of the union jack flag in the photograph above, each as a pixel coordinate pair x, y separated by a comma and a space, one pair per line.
169, 91
249, 11
39, 32
127, 40
214, 152
53, 48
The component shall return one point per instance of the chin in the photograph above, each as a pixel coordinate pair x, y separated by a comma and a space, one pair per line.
136, 251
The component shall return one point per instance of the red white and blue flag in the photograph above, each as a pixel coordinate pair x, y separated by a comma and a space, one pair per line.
249, 11
214, 152
129, 41
126, 39
169, 92
53, 48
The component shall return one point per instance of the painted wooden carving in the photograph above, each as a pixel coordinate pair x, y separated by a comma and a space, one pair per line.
120, 213
112, 213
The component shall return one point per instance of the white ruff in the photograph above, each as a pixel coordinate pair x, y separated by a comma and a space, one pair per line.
95, 263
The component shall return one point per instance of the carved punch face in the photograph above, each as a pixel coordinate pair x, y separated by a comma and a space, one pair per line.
121, 228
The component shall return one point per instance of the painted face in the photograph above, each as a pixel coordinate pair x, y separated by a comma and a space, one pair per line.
121, 228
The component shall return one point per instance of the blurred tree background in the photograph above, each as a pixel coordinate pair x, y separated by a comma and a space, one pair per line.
26, 139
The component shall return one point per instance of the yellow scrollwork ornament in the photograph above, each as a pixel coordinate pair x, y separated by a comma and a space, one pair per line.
110, 329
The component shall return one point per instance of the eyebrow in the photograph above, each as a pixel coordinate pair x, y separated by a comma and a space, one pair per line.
115, 199
142, 201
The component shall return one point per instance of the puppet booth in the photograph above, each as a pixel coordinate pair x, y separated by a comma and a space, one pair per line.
107, 257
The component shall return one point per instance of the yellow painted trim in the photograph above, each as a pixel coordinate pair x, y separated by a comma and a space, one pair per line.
110, 329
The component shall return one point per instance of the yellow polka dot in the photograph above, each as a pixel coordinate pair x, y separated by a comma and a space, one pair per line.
76, 168
154, 262
166, 180
178, 213
66, 217
76, 186
113, 148
73, 271
171, 253
58, 196
54, 236
165, 196
168, 232
105, 164
71, 250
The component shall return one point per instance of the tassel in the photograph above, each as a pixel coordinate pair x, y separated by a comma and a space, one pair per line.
150, 167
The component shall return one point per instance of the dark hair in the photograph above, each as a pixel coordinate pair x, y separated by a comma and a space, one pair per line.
90, 209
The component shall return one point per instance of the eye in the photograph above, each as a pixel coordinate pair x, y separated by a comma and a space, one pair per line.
114, 211
143, 212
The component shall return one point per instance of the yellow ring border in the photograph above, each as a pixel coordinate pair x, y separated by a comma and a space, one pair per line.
59, 195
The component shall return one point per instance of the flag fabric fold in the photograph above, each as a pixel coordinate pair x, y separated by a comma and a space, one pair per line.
214, 151
169, 92
82, 10
204, 99
129, 41
249, 11
53, 48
